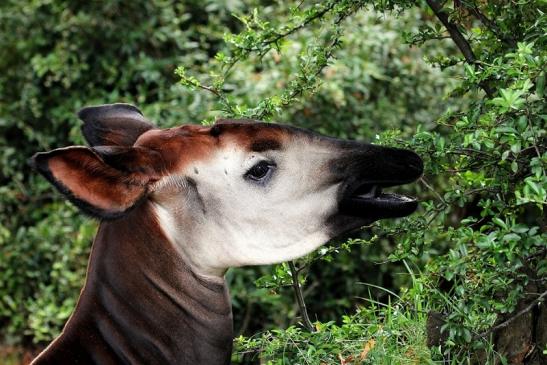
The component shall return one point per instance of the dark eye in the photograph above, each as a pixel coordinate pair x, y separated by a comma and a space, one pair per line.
260, 171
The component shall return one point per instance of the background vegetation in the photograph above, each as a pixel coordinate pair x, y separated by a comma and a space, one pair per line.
460, 82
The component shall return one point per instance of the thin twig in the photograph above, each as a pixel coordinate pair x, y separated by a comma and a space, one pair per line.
538, 153
424, 181
300, 298
300, 90
491, 25
247, 317
280, 36
469, 151
219, 94
305, 293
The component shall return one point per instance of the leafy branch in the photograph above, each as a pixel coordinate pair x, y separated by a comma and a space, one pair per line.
259, 38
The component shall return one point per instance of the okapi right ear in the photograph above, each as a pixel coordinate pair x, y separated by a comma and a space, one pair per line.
104, 182
113, 124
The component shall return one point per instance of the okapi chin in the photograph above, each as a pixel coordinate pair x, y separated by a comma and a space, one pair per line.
180, 206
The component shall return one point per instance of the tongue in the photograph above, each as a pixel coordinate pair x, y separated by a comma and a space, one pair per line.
380, 205
375, 191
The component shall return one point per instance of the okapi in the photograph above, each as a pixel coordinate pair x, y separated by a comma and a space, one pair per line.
179, 206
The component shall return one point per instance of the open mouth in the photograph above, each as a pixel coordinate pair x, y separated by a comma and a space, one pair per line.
369, 201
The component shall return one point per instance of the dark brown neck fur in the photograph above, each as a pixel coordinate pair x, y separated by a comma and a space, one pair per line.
142, 304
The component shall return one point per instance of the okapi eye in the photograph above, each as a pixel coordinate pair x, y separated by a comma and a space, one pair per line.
260, 171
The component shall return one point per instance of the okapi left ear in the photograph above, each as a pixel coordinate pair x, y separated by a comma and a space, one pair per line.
104, 182
113, 124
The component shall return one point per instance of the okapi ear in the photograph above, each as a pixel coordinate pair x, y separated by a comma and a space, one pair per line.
113, 124
104, 182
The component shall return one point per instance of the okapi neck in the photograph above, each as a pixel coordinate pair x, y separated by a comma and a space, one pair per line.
142, 304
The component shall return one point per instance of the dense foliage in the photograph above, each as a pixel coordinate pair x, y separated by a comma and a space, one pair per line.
462, 83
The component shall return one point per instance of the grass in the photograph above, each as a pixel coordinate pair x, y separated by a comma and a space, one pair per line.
377, 333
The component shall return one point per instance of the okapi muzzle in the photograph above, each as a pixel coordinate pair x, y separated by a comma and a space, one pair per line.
180, 206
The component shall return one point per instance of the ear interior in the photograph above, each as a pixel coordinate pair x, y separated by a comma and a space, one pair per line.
96, 187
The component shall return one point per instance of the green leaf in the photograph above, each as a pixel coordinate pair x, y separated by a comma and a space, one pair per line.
499, 222
514, 166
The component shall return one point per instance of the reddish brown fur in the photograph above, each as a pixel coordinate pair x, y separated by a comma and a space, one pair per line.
179, 146
189, 143
142, 304
104, 187
244, 135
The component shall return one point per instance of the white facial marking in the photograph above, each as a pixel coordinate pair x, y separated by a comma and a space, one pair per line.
222, 219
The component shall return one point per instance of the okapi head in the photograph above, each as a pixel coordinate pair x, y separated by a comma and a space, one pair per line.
241, 192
